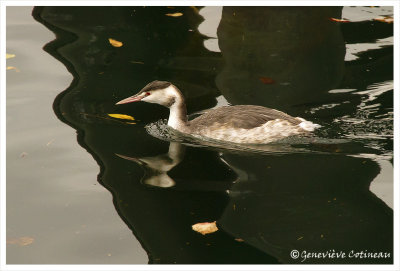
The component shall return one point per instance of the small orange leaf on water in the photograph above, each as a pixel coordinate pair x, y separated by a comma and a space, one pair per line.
339, 20
177, 14
22, 241
388, 20
12, 68
205, 227
115, 43
121, 116
267, 80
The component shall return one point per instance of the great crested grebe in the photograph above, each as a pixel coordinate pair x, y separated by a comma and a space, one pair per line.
250, 124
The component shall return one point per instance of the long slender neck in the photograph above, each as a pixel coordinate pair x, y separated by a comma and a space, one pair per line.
177, 114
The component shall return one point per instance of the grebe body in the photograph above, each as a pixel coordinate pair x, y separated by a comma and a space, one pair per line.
250, 124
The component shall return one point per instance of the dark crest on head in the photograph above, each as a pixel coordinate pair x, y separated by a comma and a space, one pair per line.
156, 85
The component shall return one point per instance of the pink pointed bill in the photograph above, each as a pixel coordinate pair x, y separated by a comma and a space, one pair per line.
130, 100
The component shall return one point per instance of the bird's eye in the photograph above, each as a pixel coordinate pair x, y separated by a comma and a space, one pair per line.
148, 93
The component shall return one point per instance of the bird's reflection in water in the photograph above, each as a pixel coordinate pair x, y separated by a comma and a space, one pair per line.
279, 202
157, 167
176, 190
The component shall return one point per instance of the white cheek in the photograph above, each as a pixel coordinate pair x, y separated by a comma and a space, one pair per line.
146, 99
152, 98
157, 97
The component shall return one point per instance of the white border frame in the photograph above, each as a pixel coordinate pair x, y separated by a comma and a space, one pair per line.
396, 146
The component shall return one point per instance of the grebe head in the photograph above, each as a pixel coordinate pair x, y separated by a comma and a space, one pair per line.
159, 92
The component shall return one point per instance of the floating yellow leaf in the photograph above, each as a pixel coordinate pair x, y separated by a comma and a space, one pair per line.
115, 43
177, 14
9, 56
121, 116
205, 228
22, 241
13, 68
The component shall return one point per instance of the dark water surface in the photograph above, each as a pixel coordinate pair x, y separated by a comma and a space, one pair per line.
133, 196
